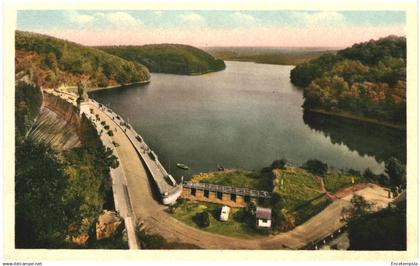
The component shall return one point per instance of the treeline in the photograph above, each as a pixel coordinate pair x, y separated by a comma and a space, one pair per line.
365, 80
54, 61
169, 58
58, 195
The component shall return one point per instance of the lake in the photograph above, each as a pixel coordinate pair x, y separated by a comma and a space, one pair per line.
245, 117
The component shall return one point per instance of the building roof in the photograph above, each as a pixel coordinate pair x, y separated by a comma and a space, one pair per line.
263, 213
229, 190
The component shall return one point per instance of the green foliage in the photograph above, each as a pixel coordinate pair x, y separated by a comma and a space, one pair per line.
71, 58
359, 207
396, 172
370, 53
316, 167
303, 74
336, 181
239, 225
169, 58
365, 234
366, 80
294, 187
60, 195
28, 99
41, 213
295, 199
279, 164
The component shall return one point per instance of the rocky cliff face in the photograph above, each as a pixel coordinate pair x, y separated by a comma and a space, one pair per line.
58, 124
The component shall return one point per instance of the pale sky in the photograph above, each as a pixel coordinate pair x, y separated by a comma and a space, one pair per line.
214, 28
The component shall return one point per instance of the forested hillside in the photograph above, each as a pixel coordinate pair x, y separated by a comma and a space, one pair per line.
169, 58
54, 62
367, 80
58, 195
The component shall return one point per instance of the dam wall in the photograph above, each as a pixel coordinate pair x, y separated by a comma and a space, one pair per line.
58, 123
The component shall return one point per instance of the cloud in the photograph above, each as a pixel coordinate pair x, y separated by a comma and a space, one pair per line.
243, 19
324, 18
103, 20
78, 18
122, 18
193, 18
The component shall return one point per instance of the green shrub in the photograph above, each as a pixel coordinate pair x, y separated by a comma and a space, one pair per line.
202, 219
316, 167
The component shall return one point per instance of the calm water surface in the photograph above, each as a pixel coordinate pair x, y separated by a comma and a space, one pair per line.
244, 117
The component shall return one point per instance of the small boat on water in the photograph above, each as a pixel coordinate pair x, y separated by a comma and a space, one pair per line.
182, 166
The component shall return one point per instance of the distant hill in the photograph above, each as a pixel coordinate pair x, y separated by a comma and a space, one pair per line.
169, 58
55, 61
366, 81
268, 55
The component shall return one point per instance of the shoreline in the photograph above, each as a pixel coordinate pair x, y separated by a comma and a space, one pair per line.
355, 117
119, 86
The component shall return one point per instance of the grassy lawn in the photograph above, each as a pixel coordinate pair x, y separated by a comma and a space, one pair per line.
300, 198
300, 193
237, 178
305, 211
334, 182
298, 187
233, 227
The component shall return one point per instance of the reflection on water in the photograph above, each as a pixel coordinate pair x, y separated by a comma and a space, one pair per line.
365, 138
243, 117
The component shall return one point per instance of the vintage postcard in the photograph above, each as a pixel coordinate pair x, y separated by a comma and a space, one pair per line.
272, 131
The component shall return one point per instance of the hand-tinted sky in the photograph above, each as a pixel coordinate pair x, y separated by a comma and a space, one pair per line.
215, 28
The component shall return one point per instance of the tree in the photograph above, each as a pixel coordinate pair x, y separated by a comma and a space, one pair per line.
396, 172
359, 207
250, 213
383, 230
202, 219
41, 217
369, 175
51, 61
316, 167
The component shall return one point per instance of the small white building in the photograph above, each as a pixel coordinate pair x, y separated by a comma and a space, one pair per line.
224, 214
263, 216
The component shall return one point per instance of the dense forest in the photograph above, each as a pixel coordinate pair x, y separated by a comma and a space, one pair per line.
268, 55
365, 234
169, 58
54, 62
58, 195
367, 80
